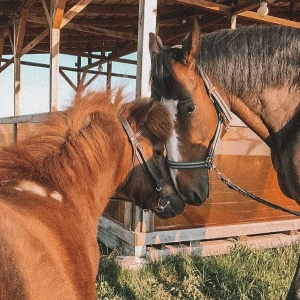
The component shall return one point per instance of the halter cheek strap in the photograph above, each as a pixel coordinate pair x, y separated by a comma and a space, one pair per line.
138, 152
222, 109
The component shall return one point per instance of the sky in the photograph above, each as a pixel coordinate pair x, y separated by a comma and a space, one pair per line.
35, 84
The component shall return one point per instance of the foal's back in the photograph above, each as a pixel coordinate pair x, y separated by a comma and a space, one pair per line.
38, 253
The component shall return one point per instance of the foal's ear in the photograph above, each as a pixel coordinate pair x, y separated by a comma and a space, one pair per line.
155, 44
158, 121
190, 46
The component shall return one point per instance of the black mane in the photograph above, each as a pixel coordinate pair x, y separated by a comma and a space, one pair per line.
243, 61
248, 59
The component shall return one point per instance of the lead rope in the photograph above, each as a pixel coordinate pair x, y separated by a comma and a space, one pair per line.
225, 116
227, 181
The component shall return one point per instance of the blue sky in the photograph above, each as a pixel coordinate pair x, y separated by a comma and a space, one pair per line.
35, 84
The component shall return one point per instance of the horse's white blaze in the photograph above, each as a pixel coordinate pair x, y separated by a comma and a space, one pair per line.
35, 188
172, 143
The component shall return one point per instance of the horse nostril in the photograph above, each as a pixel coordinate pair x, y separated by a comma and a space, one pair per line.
194, 198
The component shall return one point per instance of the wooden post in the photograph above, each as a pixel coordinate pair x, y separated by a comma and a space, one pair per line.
108, 76
19, 33
233, 22
143, 221
54, 68
57, 10
147, 24
78, 70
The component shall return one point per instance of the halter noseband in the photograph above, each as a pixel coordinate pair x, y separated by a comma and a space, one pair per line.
137, 151
224, 118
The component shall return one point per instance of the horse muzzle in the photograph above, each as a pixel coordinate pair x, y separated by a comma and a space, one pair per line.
167, 208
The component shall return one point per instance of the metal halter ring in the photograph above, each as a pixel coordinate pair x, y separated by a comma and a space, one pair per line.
161, 208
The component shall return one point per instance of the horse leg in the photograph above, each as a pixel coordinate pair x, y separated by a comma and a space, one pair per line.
291, 165
286, 162
294, 291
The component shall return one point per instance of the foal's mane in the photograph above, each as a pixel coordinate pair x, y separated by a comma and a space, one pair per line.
81, 140
243, 61
80, 136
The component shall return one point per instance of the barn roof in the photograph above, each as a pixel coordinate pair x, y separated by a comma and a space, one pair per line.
112, 25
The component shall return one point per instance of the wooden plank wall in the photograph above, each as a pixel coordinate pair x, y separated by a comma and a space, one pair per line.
245, 160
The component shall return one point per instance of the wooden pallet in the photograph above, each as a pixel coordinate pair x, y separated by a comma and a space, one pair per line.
139, 248
207, 248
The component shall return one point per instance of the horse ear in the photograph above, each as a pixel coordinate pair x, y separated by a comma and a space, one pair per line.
155, 44
190, 46
158, 121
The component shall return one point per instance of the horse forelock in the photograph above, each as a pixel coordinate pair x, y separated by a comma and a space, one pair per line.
162, 76
151, 115
246, 60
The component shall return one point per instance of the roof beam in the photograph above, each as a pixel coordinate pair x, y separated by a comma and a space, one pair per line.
218, 8
1, 48
47, 14
252, 4
58, 12
100, 31
21, 28
71, 13
269, 19
223, 9
127, 48
35, 41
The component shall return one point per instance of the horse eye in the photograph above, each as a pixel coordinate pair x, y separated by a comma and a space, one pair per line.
191, 108
159, 150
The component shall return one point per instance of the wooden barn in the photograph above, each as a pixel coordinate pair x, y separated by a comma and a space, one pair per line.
100, 33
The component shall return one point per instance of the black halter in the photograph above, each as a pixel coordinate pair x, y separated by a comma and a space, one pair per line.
224, 118
155, 181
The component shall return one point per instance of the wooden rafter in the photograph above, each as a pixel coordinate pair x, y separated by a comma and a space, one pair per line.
218, 8
58, 12
35, 41
126, 49
100, 31
71, 13
1, 48
47, 14
27, 48
4, 33
241, 12
269, 19
7, 64
21, 32
67, 79
252, 4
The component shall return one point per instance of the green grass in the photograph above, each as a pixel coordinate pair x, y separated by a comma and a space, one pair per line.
240, 275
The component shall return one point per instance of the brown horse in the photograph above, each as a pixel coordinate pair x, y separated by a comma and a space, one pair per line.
55, 185
251, 71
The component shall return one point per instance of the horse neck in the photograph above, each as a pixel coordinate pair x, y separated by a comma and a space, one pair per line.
84, 185
110, 173
244, 112
269, 113
262, 91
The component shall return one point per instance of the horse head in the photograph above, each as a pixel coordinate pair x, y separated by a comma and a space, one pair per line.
175, 81
149, 184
